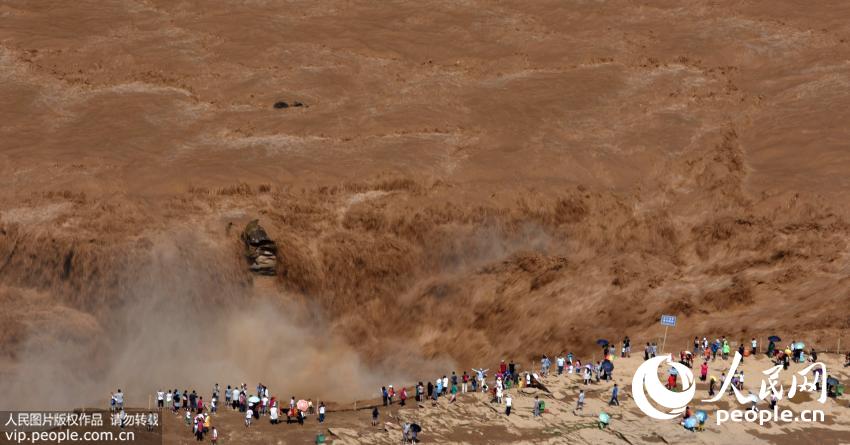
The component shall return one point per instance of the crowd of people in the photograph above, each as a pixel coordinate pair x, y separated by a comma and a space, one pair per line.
255, 405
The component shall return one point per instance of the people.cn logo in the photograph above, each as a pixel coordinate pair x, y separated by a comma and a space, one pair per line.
645, 386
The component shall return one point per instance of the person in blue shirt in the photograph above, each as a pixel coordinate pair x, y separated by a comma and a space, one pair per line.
614, 393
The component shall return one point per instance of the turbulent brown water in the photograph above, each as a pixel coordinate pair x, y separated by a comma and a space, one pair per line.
466, 182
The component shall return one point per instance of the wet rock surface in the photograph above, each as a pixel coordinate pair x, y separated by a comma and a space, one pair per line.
260, 250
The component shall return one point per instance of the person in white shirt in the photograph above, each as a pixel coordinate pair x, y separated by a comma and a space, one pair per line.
235, 398
119, 399
508, 403
160, 399
498, 394
321, 412
249, 416
274, 414
580, 402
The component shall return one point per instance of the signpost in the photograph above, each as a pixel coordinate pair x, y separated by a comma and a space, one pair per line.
667, 321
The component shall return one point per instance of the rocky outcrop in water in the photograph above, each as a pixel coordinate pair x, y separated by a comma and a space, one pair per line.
260, 250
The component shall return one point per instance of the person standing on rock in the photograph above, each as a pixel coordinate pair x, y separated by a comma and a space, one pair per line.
615, 392
464, 381
480, 375
454, 393
249, 416
627, 347
508, 403
560, 362
375, 416
580, 402
322, 412
445, 385
274, 415
536, 406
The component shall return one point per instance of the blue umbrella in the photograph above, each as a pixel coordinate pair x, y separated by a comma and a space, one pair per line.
799, 345
607, 366
673, 371
774, 338
701, 416
601, 342
690, 423
604, 418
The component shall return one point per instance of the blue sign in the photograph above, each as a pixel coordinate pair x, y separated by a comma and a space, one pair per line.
668, 320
